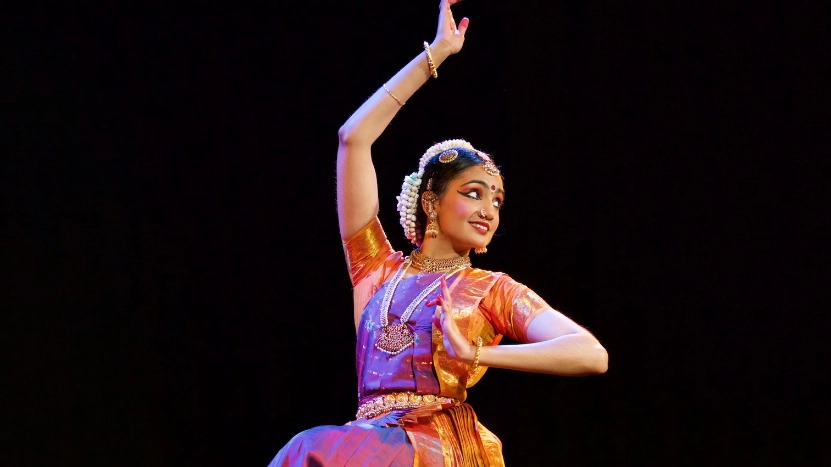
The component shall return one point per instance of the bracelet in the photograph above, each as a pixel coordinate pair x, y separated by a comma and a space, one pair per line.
475, 370
393, 95
430, 63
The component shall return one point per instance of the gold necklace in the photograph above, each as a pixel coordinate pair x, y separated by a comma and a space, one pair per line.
429, 265
396, 337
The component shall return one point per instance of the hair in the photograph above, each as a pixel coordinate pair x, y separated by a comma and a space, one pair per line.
441, 174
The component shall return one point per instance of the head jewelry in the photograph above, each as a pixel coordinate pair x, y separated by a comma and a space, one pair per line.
408, 201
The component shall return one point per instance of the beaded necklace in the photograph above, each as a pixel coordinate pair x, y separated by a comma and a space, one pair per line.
396, 337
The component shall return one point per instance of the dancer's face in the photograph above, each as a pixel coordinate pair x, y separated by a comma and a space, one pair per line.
460, 208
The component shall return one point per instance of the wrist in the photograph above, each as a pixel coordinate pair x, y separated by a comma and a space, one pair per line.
475, 352
471, 354
440, 51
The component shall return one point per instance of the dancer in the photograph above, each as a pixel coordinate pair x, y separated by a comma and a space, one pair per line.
428, 323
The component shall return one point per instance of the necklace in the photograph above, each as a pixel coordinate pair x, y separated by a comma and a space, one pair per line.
429, 265
396, 337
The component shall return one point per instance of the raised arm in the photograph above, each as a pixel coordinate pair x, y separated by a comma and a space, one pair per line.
357, 186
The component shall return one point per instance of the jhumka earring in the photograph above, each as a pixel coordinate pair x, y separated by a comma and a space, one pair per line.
432, 228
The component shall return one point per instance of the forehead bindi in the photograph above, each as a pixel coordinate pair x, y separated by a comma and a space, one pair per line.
484, 184
481, 177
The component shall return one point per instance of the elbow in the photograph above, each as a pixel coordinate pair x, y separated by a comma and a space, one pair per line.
592, 358
346, 135
600, 362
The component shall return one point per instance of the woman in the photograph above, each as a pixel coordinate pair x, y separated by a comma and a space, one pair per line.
428, 324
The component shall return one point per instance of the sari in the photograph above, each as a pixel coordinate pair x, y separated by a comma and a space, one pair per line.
411, 404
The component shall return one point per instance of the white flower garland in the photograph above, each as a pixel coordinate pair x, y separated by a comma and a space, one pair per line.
408, 199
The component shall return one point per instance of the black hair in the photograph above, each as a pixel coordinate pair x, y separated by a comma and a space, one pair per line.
441, 174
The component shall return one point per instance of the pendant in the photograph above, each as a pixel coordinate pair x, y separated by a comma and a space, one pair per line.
394, 338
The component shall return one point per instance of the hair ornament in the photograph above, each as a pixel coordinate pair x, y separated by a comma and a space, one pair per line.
448, 156
488, 165
408, 201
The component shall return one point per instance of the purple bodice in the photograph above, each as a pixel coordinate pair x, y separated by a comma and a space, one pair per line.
410, 370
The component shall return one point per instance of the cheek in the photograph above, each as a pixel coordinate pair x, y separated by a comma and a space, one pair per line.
460, 210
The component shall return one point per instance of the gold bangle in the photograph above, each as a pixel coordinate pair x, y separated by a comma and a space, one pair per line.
475, 370
393, 95
430, 63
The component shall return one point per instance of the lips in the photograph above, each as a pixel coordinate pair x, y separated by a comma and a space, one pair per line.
481, 227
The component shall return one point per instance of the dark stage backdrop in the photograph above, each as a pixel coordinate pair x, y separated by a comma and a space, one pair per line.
175, 284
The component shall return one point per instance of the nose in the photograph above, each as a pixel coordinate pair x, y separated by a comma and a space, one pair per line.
486, 214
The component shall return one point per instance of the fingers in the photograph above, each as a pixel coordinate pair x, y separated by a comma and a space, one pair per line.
436, 301
445, 292
438, 316
463, 24
446, 16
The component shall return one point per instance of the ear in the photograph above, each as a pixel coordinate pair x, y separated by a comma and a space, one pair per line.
426, 199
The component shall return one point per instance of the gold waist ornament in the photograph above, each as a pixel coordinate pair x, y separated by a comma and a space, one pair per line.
385, 403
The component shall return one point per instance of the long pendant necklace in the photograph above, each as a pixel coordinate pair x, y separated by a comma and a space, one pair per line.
396, 337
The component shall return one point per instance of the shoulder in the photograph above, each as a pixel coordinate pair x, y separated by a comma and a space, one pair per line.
477, 282
367, 251
499, 287
478, 274
496, 277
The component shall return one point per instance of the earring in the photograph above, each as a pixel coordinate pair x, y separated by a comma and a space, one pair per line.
480, 251
432, 228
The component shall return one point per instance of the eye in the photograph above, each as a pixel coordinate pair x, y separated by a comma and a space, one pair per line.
473, 194
497, 203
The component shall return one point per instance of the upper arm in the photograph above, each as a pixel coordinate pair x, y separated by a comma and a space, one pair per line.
551, 324
519, 313
357, 187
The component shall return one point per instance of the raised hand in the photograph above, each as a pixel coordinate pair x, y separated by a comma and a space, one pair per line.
455, 343
449, 34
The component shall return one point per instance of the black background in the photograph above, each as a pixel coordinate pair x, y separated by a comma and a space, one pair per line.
174, 276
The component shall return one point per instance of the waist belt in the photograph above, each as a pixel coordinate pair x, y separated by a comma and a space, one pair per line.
385, 403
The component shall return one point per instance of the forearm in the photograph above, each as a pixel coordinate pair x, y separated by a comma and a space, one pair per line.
569, 355
371, 118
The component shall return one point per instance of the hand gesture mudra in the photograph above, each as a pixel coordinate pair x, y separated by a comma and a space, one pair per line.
454, 341
449, 33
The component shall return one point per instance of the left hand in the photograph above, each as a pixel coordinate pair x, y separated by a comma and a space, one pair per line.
455, 343
449, 35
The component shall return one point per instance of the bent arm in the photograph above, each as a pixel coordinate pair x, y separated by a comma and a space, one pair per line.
558, 346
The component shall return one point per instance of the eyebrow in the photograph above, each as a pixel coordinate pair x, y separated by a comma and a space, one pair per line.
480, 182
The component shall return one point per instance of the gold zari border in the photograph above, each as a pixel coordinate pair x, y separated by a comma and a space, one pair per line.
382, 404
